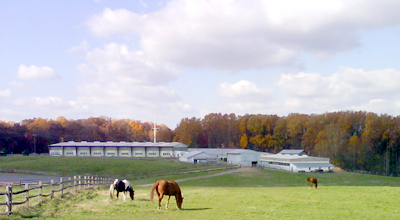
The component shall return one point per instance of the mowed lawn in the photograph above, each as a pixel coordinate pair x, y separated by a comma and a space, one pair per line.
252, 194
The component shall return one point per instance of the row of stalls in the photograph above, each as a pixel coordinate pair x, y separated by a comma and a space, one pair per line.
293, 160
117, 149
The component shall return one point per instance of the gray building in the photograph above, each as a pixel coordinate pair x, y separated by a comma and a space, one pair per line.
117, 149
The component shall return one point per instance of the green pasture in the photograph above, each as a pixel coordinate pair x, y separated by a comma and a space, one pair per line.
252, 194
111, 167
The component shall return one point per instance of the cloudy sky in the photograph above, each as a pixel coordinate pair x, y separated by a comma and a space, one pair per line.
170, 60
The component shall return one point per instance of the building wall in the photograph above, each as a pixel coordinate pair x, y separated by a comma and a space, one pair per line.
234, 158
70, 151
111, 151
97, 151
55, 151
166, 152
125, 152
152, 152
83, 151
138, 152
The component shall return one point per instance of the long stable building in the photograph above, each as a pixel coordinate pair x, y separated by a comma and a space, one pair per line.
117, 149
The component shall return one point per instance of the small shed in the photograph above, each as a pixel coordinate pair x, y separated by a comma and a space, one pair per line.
197, 157
244, 157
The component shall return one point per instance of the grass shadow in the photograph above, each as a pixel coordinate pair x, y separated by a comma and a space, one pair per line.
195, 209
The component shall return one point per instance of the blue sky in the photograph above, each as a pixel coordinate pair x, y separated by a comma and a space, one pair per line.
175, 59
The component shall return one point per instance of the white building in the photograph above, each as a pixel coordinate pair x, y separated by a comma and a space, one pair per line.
219, 153
244, 157
296, 161
117, 149
197, 157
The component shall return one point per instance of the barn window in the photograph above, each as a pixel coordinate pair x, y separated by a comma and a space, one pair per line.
166, 154
138, 153
152, 153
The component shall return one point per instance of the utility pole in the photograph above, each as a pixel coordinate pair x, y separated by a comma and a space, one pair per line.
34, 143
155, 130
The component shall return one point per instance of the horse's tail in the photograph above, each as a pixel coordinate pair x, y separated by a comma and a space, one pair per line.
112, 191
152, 191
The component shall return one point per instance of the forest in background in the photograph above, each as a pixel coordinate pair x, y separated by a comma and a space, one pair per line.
353, 140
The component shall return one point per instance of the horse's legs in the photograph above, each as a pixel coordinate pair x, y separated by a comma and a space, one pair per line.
124, 195
160, 197
117, 193
166, 206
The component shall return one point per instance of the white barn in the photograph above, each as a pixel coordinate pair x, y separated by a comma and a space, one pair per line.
197, 157
296, 162
117, 149
243, 157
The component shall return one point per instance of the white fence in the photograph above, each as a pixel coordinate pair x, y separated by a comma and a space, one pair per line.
65, 185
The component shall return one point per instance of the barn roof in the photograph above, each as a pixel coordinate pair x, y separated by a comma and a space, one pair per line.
118, 144
197, 155
303, 165
213, 151
291, 151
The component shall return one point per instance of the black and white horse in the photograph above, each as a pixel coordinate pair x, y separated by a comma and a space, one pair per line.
123, 186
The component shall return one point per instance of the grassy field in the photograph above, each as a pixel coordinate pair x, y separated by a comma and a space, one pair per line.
252, 194
122, 167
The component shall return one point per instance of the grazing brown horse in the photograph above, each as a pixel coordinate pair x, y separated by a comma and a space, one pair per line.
312, 181
168, 188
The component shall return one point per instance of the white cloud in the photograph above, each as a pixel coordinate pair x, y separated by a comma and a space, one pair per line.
119, 76
244, 90
83, 46
235, 35
5, 93
38, 73
117, 63
348, 88
18, 85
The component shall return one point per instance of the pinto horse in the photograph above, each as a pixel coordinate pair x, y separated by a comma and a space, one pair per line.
123, 186
312, 181
168, 188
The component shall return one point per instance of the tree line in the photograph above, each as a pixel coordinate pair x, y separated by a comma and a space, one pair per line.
355, 140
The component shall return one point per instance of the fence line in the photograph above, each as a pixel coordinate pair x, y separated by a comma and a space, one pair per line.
76, 184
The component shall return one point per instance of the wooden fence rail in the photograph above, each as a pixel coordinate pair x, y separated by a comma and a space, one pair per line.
76, 184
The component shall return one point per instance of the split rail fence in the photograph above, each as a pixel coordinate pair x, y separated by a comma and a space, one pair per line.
65, 186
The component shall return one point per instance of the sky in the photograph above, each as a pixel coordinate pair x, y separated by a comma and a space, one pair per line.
163, 61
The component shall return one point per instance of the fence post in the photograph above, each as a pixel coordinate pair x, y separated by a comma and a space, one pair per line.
75, 188
40, 192
61, 187
84, 182
27, 194
80, 182
9, 200
52, 188
69, 185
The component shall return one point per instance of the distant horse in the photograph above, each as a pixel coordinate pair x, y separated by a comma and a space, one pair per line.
312, 181
168, 188
123, 186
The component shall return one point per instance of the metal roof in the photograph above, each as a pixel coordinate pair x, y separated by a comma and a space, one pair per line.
291, 151
196, 155
303, 165
117, 144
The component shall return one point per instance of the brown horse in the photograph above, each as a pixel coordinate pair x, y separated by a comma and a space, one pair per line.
168, 188
312, 181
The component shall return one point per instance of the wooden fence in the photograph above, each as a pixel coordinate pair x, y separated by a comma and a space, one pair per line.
66, 185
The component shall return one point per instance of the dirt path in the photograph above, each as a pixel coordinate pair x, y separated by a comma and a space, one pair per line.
243, 169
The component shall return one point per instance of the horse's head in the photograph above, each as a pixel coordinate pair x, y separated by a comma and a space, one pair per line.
132, 193
179, 201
